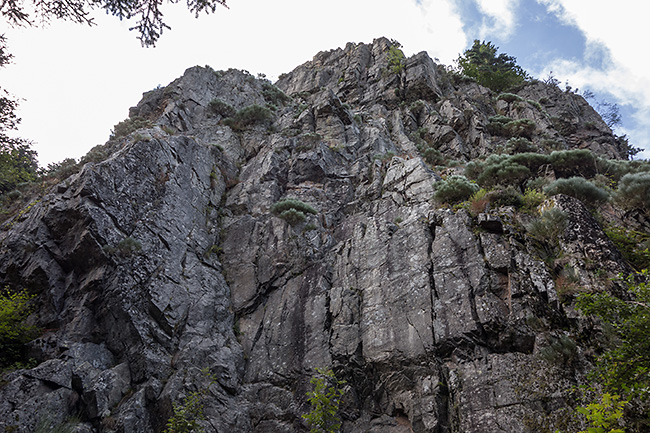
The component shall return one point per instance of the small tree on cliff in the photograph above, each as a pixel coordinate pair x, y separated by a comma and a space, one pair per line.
325, 400
497, 72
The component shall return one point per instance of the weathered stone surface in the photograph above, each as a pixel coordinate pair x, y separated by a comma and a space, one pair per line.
162, 271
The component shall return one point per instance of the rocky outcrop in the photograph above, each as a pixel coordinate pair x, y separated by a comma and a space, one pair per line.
162, 270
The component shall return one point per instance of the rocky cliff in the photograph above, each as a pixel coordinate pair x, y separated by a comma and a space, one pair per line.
165, 268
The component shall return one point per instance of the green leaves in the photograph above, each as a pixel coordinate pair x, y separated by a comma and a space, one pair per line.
454, 189
14, 332
187, 415
497, 72
625, 365
325, 400
604, 415
396, 58
17, 163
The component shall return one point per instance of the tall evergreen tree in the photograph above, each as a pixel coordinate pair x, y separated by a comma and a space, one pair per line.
497, 72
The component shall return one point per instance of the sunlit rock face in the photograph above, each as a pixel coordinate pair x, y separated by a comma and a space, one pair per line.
164, 270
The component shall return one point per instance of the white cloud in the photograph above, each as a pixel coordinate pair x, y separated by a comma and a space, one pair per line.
501, 15
617, 29
78, 82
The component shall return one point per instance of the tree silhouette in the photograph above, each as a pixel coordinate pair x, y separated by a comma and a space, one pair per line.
497, 72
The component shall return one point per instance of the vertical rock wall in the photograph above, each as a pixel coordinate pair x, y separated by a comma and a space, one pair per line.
163, 271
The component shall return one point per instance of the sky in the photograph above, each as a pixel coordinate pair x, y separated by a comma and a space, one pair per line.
75, 82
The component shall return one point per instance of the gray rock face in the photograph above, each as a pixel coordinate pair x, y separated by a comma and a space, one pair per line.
163, 271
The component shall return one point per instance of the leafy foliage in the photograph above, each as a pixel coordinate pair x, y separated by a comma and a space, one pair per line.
634, 191
325, 399
15, 306
292, 211
624, 367
604, 416
292, 216
507, 127
532, 199
575, 162
187, 415
454, 189
634, 245
580, 188
396, 58
222, 108
292, 203
549, 226
504, 172
561, 350
17, 160
272, 94
247, 116
497, 72
509, 97
129, 125
17, 164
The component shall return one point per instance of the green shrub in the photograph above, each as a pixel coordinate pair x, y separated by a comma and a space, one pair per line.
634, 245
509, 97
247, 116
508, 196
550, 145
324, 399
580, 188
548, 227
507, 127
15, 306
292, 216
615, 169
623, 367
291, 203
478, 201
187, 416
384, 157
496, 124
535, 104
292, 211
62, 170
454, 189
561, 350
129, 125
576, 162
272, 94
396, 58
634, 191
46, 424
222, 108
125, 248
433, 156
604, 417
505, 169
530, 159
129, 246
505, 172
520, 145
520, 128
98, 153
532, 198
417, 107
